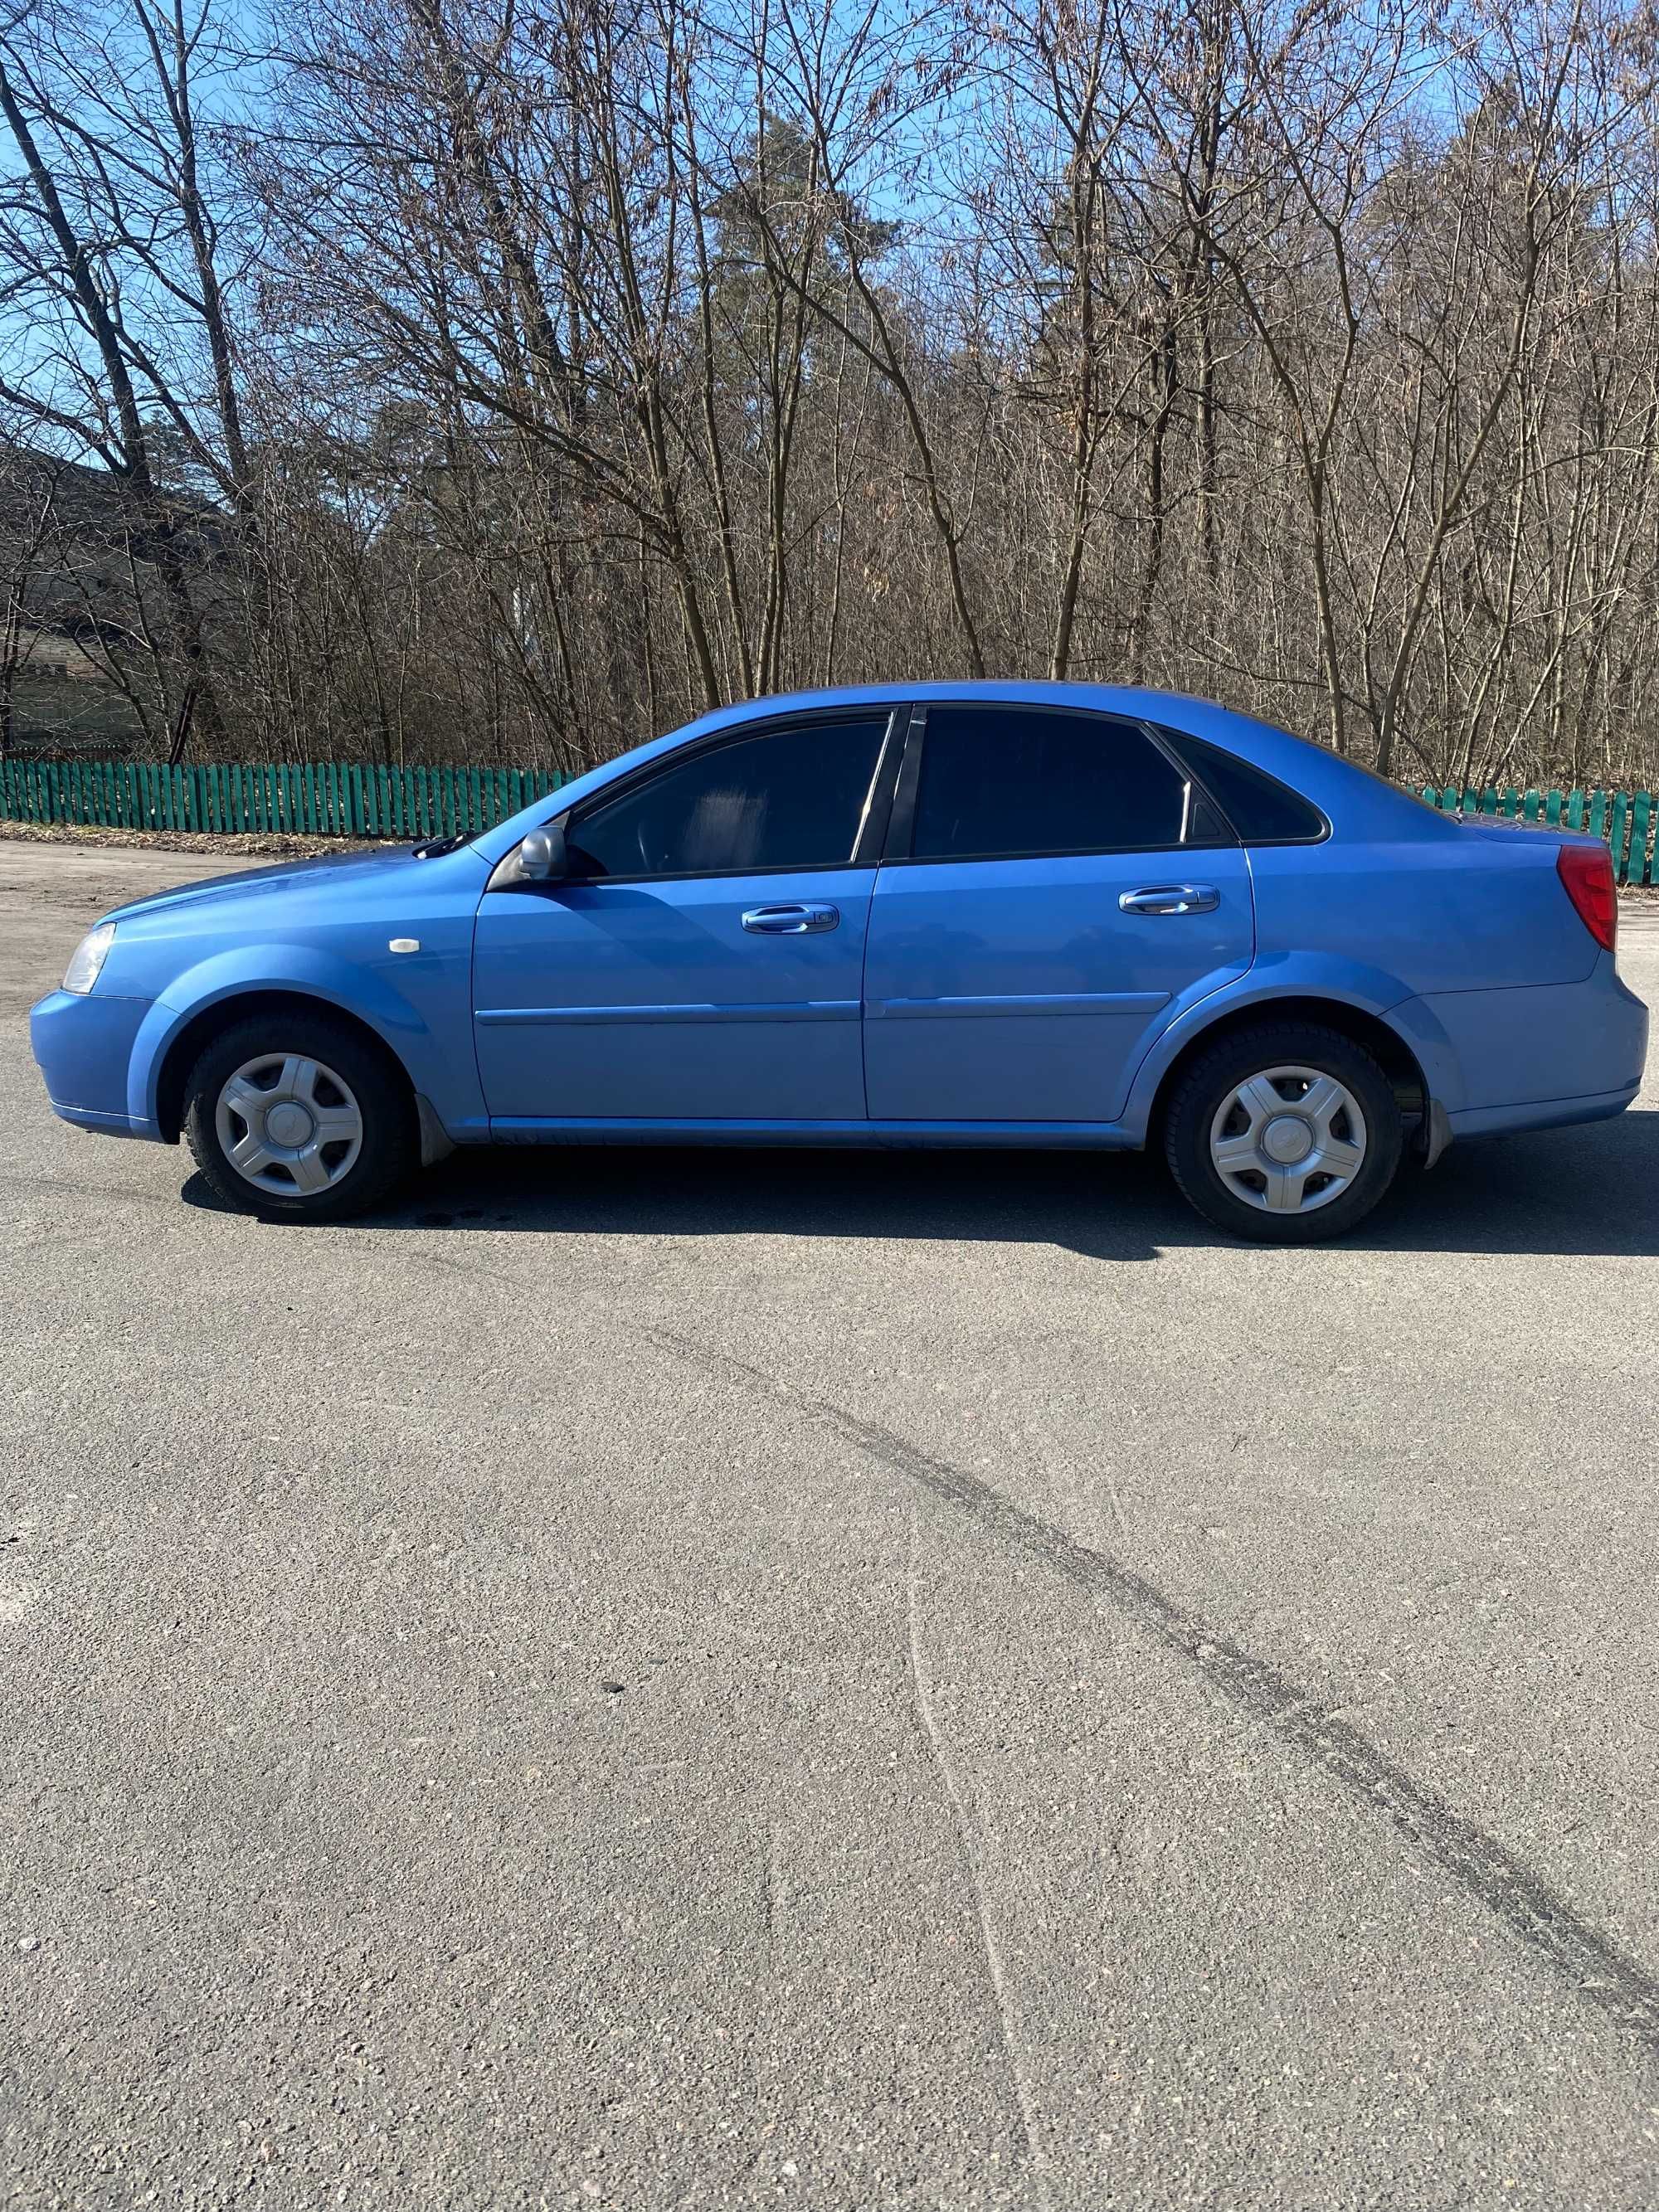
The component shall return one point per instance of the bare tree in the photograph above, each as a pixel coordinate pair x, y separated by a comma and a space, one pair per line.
501, 385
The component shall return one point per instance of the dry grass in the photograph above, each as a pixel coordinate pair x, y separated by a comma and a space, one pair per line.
273, 844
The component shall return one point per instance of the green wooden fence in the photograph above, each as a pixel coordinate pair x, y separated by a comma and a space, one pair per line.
1625, 821
335, 799
321, 798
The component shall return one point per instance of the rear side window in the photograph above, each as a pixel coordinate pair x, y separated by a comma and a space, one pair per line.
790, 797
1262, 810
1003, 782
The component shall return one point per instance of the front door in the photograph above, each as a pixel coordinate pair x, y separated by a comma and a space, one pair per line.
703, 959
1060, 888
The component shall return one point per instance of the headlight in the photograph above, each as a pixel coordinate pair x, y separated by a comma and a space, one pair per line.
90, 955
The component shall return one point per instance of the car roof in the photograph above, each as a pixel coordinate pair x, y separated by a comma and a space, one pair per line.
1138, 701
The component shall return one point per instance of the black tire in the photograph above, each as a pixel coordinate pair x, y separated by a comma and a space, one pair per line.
1204, 1089
389, 1143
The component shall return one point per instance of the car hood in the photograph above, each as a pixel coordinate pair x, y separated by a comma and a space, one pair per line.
334, 871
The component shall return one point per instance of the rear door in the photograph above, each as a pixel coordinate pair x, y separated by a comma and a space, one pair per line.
1054, 886
703, 960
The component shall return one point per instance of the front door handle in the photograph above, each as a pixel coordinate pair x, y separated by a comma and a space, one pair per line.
1172, 898
790, 920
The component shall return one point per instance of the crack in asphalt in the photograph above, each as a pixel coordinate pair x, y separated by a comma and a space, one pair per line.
1588, 1962
1545, 1921
996, 1977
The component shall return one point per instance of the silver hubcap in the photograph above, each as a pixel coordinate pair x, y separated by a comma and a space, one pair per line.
288, 1125
1289, 1139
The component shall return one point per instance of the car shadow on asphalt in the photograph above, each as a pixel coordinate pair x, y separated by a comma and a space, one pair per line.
1592, 1191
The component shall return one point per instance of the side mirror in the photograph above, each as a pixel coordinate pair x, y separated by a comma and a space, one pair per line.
538, 858
542, 855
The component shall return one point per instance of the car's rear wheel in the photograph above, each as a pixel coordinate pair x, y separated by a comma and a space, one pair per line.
297, 1117
1285, 1134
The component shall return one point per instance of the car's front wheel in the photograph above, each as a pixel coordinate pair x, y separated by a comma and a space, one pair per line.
296, 1117
1286, 1132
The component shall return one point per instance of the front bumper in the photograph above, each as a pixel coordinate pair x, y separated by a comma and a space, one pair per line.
82, 1045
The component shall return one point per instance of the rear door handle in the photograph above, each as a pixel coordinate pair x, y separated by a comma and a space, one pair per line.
1172, 898
790, 920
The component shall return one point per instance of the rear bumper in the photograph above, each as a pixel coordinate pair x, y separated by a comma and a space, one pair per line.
82, 1045
1533, 1056
1542, 1113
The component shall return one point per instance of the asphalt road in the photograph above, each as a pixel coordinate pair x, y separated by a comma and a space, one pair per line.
714, 1680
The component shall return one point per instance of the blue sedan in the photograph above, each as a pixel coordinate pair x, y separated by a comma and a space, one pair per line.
938, 913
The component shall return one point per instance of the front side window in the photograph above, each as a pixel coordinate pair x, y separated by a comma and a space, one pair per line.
1004, 782
781, 798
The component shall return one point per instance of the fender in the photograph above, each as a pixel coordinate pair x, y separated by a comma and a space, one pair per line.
428, 983
1305, 976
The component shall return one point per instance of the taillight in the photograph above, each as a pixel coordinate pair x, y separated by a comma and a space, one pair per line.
1586, 872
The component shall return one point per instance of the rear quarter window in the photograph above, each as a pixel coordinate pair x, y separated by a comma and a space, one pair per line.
1262, 810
